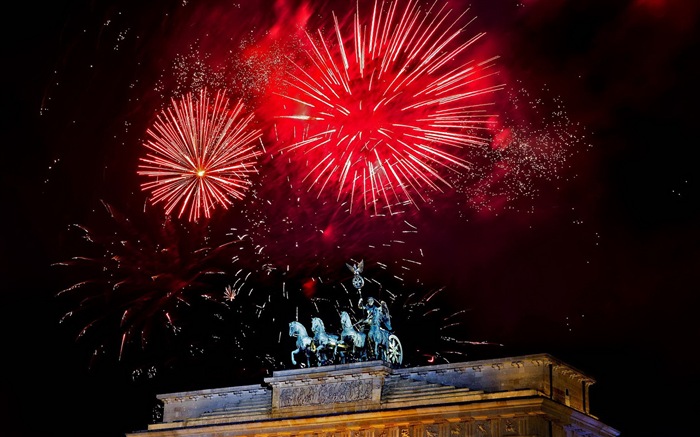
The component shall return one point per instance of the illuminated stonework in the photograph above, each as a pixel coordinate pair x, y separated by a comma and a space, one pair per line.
534, 395
330, 393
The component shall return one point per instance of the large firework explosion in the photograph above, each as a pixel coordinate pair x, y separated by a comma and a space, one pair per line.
383, 104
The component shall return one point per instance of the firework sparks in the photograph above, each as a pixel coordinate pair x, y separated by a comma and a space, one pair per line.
169, 287
230, 293
385, 113
534, 141
150, 280
380, 111
201, 155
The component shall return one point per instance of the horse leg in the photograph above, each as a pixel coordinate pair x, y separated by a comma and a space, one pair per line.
319, 356
294, 363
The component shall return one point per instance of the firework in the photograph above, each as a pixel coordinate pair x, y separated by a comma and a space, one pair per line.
383, 114
201, 155
533, 143
167, 292
154, 282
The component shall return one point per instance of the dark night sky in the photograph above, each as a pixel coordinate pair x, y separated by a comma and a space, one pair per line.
598, 267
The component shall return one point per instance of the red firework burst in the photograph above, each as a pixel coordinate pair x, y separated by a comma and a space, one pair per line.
149, 280
388, 110
201, 155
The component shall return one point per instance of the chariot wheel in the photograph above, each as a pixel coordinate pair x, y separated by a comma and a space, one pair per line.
394, 353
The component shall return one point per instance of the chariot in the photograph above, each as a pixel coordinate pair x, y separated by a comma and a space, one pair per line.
374, 340
367, 343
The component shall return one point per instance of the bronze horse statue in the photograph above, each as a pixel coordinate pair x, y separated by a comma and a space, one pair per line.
354, 339
326, 344
304, 342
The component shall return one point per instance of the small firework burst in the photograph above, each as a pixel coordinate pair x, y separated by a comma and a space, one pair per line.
230, 293
201, 155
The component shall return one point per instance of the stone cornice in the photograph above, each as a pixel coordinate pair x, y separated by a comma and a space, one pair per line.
454, 392
538, 360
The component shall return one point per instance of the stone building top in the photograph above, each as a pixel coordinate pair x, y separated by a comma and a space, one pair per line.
375, 386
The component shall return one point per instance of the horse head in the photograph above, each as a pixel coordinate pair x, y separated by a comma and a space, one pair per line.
296, 328
345, 319
317, 325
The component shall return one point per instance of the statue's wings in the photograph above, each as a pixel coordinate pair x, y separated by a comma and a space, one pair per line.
385, 309
357, 268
